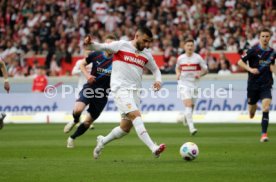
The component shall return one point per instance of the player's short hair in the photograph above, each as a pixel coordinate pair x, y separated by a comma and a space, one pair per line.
265, 30
145, 30
111, 37
189, 40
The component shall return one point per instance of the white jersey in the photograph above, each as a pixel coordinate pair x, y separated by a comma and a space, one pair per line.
190, 67
4, 54
76, 71
2, 57
128, 64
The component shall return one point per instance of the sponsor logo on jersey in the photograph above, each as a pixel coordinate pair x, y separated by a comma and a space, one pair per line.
264, 62
134, 60
102, 70
190, 67
131, 58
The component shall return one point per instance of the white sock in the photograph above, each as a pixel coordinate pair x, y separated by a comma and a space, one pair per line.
142, 133
116, 133
189, 117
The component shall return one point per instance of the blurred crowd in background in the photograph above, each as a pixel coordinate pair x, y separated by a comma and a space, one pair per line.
56, 28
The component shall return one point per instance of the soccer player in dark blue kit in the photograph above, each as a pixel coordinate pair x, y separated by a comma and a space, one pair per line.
94, 93
261, 64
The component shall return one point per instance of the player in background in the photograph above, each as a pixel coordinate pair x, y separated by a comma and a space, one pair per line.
76, 71
130, 57
190, 67
81, 77
259, 61
98, 81
8, 54
40, 81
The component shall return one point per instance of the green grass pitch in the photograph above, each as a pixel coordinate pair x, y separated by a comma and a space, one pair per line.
228, 152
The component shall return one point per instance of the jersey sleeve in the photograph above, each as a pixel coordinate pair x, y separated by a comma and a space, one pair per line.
247, 55
152, 66
113, 47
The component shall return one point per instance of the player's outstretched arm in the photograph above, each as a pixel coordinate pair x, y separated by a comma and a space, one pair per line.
5, 75
242, 64
90, 45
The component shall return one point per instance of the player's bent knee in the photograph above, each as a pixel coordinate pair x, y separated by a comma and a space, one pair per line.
134, 114
126, 125
126, 129
188, 103
266, 109
88, 122
77, 111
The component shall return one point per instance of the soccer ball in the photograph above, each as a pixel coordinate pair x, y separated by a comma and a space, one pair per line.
189, 151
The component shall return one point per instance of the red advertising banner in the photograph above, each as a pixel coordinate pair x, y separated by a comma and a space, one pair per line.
67, 67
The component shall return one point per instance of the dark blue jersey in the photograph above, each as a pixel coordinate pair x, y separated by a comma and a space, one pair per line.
101, 69
260, 59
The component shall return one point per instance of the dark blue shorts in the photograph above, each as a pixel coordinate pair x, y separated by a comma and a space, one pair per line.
254, 95
96, 103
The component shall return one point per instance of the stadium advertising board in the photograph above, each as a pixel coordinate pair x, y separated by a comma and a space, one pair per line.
59, 105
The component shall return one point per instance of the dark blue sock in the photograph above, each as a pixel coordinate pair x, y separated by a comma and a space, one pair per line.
76, 117
80, 130
265, 121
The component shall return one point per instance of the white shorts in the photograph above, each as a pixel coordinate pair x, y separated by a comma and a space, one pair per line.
127, 100
184, 93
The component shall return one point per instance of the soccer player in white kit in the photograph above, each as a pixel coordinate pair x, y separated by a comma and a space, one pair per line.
77, 71
130, 57
189, 68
